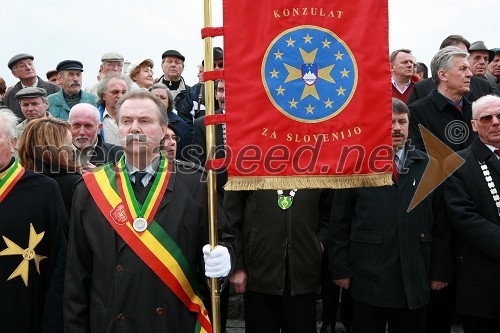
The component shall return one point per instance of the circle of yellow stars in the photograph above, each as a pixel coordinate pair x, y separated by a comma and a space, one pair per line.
295, 73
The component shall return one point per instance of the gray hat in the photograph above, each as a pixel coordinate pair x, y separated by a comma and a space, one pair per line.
112, 56
31, 92
19, 57
50, 73
173, 53
479, 46
496, 50
69, 65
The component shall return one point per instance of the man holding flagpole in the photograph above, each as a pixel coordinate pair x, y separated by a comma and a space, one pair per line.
137, 233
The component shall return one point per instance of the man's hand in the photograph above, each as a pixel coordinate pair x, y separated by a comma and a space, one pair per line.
343, 283
239, 280
217, 261
438, 285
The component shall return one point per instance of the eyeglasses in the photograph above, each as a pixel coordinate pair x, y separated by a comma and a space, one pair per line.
114, 64
487, 118
23, 65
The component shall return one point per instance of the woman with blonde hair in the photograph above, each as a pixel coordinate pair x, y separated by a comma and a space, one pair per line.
46, 147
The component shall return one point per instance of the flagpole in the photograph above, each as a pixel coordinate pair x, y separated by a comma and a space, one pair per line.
210, 149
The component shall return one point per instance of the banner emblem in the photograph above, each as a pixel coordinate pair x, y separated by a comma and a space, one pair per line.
309, 74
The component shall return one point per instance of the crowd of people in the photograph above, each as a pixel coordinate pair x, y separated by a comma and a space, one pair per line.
115, 235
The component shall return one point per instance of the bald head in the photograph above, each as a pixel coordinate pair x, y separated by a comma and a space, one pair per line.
85, 125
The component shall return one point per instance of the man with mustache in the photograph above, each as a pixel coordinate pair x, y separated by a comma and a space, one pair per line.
70, 75
86, 126
138, 235
391, 258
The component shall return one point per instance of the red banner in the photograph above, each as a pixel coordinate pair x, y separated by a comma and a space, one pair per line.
308, 94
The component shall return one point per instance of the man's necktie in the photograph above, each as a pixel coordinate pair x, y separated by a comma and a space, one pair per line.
138, 178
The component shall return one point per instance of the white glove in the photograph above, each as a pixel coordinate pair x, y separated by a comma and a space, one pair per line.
217, 261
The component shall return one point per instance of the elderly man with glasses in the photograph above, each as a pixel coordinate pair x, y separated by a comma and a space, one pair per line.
23, 68
474, 211
111, 64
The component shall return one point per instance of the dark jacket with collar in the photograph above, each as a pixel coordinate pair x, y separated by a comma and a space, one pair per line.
272, 242
475, 218
10, 100
441, 118
478, 87
391, 255
183, 131
104, 277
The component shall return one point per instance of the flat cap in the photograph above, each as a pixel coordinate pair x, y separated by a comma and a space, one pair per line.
496, 50
50, 73
172, 53
218, 55
69, 65
479, 46
112, 56
31, 92
19, 57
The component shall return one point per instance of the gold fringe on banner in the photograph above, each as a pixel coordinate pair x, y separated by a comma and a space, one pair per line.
280, 183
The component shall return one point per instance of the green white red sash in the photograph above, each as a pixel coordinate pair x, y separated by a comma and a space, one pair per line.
9, 178
112, 192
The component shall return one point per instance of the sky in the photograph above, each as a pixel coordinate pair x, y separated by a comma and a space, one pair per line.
56, 30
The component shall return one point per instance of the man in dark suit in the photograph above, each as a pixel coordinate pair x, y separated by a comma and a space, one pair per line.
86, 125
478, 86
389, 257
23, 68
138, 229
445, 112
474, 209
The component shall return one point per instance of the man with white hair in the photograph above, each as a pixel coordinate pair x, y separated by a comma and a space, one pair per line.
474, 211
33, 245
86, 125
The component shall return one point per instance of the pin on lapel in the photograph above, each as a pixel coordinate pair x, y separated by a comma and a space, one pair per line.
413, 182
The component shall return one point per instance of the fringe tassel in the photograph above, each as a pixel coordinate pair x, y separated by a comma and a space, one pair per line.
280, 183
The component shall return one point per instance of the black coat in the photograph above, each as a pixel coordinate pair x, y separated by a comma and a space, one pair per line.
104, 277
266, 235
35, 201
391, 255
442, 119
66, 182
10, 100
475, 218
478, 88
